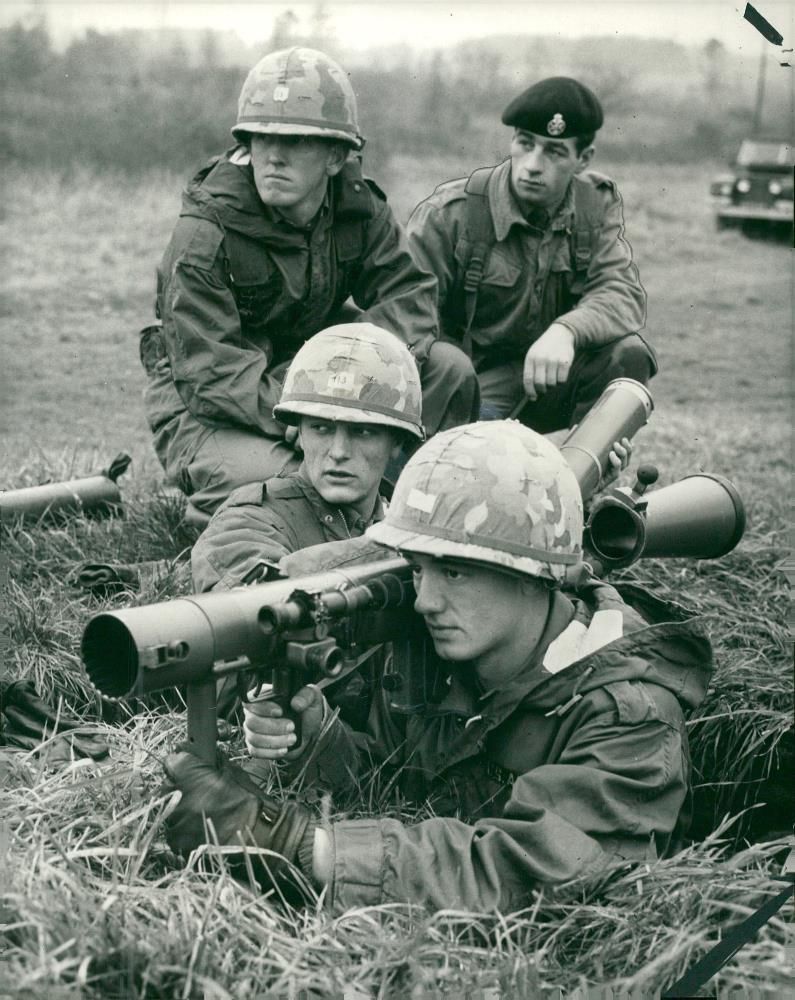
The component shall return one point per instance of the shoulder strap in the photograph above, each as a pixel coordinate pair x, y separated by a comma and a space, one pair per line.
588, 217
480, 236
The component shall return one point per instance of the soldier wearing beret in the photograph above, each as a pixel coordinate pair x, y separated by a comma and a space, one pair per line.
535, 278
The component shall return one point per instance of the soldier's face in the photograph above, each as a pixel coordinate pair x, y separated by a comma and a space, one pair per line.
541, 168
345, 462
291, 172
478, 615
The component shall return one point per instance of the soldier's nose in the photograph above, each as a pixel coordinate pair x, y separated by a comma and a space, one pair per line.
340, 444
428, 599
532, 160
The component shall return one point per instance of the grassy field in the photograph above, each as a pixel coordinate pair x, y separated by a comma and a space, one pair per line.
92, 904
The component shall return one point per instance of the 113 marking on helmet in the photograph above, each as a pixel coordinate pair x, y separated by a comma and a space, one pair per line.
354, 372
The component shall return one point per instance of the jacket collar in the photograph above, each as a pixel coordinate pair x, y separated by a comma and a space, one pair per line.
224, 191
299, 481
505, 210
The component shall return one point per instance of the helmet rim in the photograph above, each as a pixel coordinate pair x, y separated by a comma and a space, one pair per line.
352, 412
440, 548
265, 126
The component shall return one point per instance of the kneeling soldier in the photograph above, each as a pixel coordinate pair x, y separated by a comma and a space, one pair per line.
559, 740
536, 280
273, 238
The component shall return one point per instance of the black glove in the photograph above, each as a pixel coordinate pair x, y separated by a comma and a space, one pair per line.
107, 579
241, 815
26, 720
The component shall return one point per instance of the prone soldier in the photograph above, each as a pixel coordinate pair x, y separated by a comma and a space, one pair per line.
273, 237
558, 744
353, 392
535, 279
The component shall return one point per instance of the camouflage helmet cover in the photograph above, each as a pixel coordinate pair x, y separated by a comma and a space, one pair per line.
354, 372
298, 91
493, 492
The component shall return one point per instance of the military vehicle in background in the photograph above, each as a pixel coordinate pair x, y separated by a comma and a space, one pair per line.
757, 194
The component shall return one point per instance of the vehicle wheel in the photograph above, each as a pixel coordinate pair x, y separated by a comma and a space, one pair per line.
754, 229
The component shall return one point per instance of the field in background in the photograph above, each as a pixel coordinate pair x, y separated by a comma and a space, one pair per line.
79, 283
91, 904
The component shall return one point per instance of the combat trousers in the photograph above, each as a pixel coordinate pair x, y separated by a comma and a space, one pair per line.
564, 405
216, 460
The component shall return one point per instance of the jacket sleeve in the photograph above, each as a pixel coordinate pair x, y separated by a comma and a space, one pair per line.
391, 289
219, 375
613, 302
432, 235
238, 536
617, 783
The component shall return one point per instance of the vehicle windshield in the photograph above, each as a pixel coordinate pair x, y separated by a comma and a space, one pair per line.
764, 154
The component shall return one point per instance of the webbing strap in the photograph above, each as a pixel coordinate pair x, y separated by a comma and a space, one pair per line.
480, 233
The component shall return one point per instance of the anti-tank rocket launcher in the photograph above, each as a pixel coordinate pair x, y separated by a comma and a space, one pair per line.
94, 496
317, 628
699, 517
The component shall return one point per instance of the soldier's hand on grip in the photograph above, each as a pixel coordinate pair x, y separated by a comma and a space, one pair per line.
548, 362
270, 736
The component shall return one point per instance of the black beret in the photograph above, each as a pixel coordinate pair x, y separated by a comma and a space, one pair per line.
558, 106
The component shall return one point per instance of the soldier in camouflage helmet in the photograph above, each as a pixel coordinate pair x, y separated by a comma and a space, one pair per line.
506, 500
274, 237
555, 745
353, 393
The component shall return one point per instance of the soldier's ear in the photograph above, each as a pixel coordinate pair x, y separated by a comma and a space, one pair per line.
398, 440
337, 155
584, 158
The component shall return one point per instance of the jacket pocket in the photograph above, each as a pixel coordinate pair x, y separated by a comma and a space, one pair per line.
501, 271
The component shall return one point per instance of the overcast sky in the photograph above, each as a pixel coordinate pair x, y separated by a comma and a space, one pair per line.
428, 23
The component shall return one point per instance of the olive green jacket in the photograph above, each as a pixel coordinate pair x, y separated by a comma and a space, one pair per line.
240, 290
580, 761
531, 277
262, 522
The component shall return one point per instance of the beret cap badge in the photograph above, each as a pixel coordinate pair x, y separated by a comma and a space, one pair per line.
557, 125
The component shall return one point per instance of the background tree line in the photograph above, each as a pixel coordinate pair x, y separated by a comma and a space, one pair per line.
135, 99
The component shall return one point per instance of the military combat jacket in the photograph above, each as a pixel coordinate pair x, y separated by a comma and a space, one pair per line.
262, 522
535, 271
580, 761
240, 290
